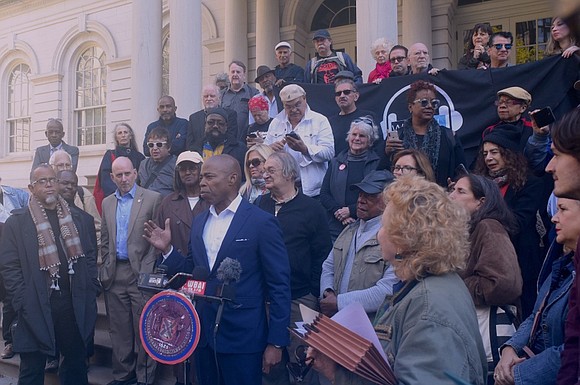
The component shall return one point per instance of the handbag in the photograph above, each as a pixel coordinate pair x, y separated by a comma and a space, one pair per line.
497, 324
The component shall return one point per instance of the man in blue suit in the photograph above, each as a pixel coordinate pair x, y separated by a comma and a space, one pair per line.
249, 339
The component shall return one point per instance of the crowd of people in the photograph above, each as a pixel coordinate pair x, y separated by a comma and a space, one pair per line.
463, 269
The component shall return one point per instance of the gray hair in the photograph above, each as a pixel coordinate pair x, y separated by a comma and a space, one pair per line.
367, 125
290, 167
57, 153
42, 165
347, 81
381, 42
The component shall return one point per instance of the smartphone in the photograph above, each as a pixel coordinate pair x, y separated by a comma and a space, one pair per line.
293, 135
461, 170
393, 135
252, 135
543, 117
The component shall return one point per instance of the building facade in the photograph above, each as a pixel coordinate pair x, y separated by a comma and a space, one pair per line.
96, 63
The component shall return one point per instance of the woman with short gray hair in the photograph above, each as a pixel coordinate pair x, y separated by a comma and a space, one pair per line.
347, 168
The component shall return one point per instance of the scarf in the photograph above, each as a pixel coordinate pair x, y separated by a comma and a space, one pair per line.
499, 177
431, 141
47, 250
383, 70
258, 187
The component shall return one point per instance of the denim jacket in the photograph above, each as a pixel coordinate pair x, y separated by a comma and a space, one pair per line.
543, 367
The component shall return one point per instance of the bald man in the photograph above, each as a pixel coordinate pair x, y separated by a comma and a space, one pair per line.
125, 254
247, 342
420, 60
168, 119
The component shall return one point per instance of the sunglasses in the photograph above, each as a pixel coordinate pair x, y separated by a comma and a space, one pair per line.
499, 46
155, 144
364, 119
397, 59
346, 92
254, 162
435, 103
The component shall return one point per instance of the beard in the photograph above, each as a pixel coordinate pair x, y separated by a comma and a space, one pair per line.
51, 199
215, 139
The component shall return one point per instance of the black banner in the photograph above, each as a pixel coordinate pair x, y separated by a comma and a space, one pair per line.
467, 97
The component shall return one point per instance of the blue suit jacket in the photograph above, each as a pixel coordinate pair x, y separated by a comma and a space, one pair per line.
254, 238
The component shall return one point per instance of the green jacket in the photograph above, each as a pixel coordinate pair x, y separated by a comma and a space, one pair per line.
429, 328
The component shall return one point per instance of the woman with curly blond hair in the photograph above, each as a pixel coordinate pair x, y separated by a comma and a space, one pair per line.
428, 329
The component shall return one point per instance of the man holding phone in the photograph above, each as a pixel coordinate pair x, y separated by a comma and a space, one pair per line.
304, 134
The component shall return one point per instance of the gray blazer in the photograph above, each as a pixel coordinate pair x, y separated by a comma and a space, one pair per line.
141, 254
42, 155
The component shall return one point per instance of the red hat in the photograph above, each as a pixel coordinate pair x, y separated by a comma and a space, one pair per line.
258, 102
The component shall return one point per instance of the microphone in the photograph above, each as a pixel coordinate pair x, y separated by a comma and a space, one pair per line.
196, 285
156, 281
229, 271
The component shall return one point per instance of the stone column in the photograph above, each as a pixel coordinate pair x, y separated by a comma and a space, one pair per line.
267, 31
416, 24
145, 64
236, 32
185, 55
374, 19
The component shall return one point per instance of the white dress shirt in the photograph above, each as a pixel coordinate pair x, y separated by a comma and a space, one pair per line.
316, 133
216, 227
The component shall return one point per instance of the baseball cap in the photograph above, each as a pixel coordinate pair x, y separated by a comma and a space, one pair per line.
282, 44
321, 33
189, 156
291, 92
374, 182
516, 93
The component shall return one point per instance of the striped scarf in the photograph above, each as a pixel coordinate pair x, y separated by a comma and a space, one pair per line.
47, 250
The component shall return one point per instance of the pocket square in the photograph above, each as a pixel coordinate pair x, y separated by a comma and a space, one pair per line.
242, 240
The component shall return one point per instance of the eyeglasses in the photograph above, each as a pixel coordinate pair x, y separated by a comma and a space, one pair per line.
499, 46
254, 162
155, 144
404, 169
269, 171
397, 59
346, 92
509, 102
44, 181
435, 103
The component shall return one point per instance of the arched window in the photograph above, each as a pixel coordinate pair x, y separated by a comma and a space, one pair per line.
165, 67
91, 91
334, 13
18, 121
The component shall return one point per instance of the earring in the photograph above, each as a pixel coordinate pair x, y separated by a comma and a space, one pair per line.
398, 256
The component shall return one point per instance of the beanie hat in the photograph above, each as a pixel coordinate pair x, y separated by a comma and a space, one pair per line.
504, 135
